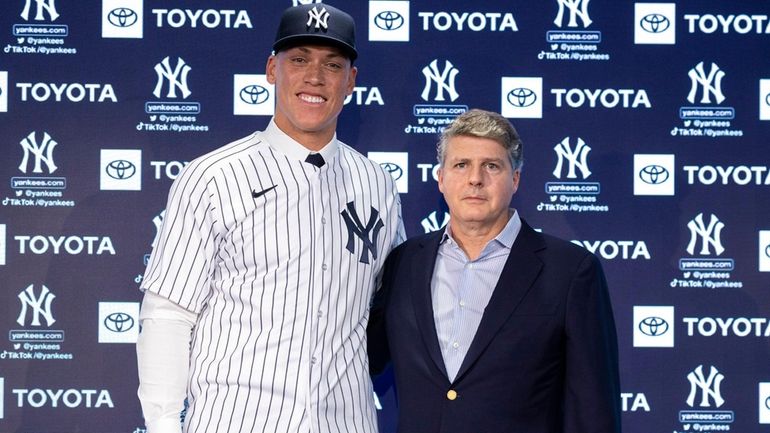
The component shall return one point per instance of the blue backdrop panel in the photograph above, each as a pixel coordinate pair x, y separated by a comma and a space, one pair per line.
645, 129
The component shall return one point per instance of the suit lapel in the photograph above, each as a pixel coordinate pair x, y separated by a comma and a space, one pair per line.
519, 273
425, 261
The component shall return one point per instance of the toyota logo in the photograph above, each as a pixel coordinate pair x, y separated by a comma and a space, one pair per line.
120, 169
655, 23
653, 326
767, 99
653, 174
389, 20
254, 94
122, 17
767, 251
392, 168
119, 322
521, 97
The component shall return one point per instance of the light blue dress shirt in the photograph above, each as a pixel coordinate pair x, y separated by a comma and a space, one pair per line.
461, 289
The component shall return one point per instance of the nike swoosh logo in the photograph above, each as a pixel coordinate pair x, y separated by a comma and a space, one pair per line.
257, 194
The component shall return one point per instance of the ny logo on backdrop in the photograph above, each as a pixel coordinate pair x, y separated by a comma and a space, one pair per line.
43, 153
177, 78
577, 9
576, 158
431, 222
41, 6
709, 235
710, 84
368, 233
444, 80
38, 305
709, 387
318, 19
157, 221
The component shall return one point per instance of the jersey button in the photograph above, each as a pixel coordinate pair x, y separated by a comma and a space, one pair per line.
320, 313
323, 220
313, 360
323, 266
451, 394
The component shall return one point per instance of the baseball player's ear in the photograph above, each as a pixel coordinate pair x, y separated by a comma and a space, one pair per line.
270, 69
352, 79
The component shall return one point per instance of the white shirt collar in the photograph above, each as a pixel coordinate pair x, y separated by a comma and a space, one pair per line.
278, 140
506, 237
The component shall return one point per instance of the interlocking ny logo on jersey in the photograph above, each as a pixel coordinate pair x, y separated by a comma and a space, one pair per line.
367, 233
177, 78
711, 83
710, 387
321, 18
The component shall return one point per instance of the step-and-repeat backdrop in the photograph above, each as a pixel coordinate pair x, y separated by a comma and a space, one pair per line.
646, 141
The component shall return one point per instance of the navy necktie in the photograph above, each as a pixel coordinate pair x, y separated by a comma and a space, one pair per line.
315, 159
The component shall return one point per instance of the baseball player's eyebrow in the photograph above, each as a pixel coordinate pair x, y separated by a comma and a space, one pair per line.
335, 53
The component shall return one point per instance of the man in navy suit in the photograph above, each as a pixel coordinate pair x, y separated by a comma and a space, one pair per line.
491, 326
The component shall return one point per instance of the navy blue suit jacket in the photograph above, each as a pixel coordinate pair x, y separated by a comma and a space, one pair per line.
544, 358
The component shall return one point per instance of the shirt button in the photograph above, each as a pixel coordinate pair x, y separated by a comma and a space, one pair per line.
462, 303
469, 265
451, 394
455, 345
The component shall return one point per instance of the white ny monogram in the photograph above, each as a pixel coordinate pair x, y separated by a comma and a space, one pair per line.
321, 18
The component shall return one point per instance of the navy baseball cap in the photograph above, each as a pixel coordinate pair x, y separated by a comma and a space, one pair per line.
317, 23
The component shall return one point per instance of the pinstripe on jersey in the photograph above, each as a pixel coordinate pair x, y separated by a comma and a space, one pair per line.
254, 240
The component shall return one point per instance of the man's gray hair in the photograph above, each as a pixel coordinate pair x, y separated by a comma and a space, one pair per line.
484, 124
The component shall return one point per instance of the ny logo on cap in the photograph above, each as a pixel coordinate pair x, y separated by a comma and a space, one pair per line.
321, 18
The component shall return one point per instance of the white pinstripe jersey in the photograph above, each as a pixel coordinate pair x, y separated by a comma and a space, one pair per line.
280, 260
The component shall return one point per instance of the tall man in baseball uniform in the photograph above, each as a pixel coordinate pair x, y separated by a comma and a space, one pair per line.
257, 292
493, 327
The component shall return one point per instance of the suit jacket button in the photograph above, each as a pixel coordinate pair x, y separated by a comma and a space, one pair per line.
451, 394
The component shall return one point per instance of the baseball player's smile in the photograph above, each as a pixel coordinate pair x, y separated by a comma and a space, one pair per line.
313, 99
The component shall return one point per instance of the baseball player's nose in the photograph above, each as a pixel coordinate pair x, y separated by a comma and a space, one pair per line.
314, 74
